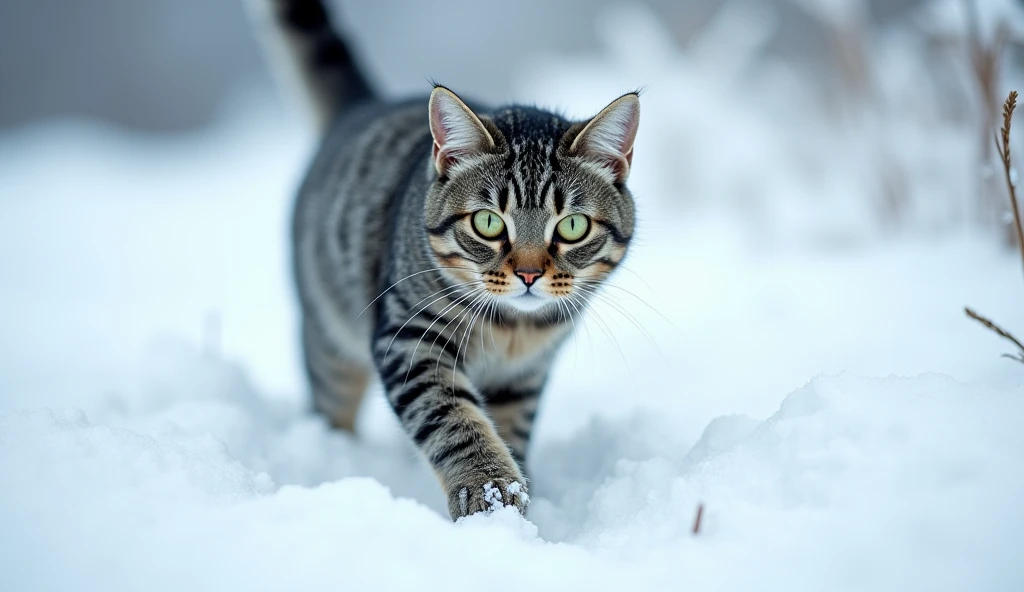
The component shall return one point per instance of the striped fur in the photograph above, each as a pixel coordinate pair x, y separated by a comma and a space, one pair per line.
307, 52
395, 280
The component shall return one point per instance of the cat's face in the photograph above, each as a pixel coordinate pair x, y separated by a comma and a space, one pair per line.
530, 210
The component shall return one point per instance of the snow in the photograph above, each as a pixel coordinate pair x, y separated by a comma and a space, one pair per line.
842, 422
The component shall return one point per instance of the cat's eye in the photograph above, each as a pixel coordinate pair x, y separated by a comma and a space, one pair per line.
573, 228
488, 224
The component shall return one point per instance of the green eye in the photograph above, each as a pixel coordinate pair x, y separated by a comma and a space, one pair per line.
573, 228
488, 224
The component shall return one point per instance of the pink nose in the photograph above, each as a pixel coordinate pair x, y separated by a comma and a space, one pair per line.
529, 276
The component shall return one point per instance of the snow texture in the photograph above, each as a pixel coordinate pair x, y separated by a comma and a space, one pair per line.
843, 424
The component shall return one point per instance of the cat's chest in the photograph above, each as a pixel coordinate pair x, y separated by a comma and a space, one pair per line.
503, 352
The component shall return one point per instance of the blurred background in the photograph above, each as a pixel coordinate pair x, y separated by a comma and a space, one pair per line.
147, 159
165, 65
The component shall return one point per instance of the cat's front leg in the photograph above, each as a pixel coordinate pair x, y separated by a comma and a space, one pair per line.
441, 411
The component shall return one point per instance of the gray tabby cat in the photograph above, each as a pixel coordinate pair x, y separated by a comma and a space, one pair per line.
450, 250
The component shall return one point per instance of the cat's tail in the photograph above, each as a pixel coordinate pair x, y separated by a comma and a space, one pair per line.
307, 51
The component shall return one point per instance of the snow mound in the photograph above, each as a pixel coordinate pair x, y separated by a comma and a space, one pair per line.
854, 483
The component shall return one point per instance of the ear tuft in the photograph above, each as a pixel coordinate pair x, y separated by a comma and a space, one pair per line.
458, 132
608, 138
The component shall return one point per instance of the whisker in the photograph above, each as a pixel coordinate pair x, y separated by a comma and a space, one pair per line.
590, 338
411, 275
639, 277
463, 314
645, 303
452, 290
493, 309
575, 339
466, 338
437, 317
625, 313
606, 329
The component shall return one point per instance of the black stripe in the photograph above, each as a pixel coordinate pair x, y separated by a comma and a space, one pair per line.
503, 199
556, 165
330, 53
559, 200
544, 190
399, 296
473, 247
432, 423
397, 376
402, 402
419, 369
449, 347
465, 396
581, 256
450, 450
304, 16
521, 433
604, 260
506, 395
614, 232
453, 255
410, 332
520, 193
446, 224
396, 364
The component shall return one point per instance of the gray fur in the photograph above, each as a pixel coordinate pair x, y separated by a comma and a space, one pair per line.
394, 280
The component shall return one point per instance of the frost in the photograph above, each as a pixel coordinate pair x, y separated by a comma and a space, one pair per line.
515, 488
492, 496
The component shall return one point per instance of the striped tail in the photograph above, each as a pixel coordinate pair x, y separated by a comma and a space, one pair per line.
308, 52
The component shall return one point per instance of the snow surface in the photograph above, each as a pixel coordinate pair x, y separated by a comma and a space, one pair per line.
842, 422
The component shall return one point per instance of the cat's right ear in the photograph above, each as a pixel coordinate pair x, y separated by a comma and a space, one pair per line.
458, 132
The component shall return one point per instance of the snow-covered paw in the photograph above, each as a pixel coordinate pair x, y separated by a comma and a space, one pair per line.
487, 496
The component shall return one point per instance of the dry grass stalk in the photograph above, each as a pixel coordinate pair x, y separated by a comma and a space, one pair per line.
1001, 332
1003, 147
697, 519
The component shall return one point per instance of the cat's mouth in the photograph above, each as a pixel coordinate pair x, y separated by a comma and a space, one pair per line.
528, 301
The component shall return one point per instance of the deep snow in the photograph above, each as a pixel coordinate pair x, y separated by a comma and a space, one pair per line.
192, 463
843, 423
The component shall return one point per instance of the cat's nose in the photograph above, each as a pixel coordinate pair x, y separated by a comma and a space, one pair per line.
529, 275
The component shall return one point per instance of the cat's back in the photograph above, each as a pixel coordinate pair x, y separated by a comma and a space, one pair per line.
344, 210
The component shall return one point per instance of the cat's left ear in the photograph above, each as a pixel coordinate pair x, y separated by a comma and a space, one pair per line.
458, 132
608, 138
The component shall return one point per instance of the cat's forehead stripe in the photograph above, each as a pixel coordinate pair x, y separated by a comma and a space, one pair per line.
532, 164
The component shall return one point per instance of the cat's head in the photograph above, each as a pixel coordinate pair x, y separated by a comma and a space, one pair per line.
527, 207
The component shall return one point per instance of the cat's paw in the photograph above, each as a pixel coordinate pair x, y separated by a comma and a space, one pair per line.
487, 495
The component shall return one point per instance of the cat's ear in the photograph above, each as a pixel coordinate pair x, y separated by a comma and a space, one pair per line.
458, 132
607, 139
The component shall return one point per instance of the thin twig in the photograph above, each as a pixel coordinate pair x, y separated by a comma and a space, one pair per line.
999, 331
697, 519
1003, 147
1004, 154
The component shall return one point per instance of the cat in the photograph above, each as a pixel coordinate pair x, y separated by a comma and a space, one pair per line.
449, 249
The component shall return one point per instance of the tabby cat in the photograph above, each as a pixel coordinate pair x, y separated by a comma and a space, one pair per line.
451, 250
